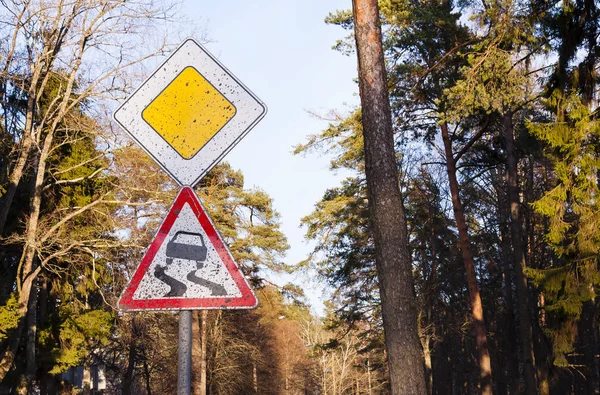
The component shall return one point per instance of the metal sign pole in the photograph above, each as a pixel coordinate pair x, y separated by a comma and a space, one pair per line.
184, 365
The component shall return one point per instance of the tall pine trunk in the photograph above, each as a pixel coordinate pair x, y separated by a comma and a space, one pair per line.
525, 335
398, 305
509, 339
483, 354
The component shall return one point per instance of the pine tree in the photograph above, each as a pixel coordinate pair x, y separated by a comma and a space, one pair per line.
573, 212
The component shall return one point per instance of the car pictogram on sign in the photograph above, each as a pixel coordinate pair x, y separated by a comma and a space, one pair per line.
177, 249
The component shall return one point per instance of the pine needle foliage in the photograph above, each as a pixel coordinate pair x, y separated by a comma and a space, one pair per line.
573, 210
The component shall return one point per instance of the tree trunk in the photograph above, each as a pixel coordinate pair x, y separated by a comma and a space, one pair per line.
27, 275
199, 333
15, 178
596, 351
428, 366
255, 378
203, 359
544, 352
369, 376
405, 355
333, 378
128, 377
509, 340
26, 143
147, 376
588, 343
14, 339
525, 335
483, 354
32, 318
196, 352
43, 303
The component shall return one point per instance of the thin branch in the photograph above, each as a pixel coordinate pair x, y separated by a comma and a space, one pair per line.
67, 218
472, 140
75, 180
85, 162
436, 64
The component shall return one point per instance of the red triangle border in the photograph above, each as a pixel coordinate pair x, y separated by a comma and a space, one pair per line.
247, 300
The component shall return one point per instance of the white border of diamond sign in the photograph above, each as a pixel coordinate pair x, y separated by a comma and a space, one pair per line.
249, 111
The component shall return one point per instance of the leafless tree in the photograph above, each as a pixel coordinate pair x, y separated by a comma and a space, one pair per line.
63, 59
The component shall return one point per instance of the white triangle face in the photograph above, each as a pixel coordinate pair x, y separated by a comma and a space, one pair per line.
186, 265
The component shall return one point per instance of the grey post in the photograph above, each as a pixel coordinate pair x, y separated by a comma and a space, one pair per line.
184, 365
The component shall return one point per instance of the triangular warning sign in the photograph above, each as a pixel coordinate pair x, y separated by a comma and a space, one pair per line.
187, 266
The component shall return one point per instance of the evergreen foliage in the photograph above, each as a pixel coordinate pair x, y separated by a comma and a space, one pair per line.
573, 211
9, 317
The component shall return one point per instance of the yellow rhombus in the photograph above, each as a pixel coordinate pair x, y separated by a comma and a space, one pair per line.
188, 112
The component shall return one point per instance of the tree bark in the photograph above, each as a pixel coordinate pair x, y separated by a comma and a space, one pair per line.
543, 350
588, 343
30, 355
26, 275
404, 352
483, 354
369, 376
15, 178
147, 376
196, 352
26, 143
203, 344
199, 333
254, 378
428, 366
510, 352
128, 377
525, 335
14, 339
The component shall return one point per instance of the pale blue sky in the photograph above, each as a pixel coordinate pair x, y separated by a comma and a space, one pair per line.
281, 50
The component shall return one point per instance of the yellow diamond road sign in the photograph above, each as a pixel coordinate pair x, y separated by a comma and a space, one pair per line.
189, 113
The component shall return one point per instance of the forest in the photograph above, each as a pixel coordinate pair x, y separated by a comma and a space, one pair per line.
496, 139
